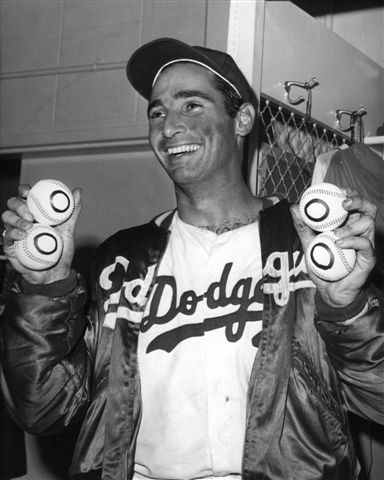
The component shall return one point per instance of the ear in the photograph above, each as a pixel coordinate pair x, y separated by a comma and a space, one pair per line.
245, 118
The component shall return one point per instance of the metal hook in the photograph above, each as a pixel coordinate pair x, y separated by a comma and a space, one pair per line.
355, 118
308, 87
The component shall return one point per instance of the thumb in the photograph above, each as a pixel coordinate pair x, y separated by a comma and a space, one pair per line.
68, 228
77, 193
306, 234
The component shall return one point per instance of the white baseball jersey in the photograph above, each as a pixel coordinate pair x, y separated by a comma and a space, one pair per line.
197, 345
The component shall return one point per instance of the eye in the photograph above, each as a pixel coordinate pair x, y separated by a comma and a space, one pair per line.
192, 107
156, 114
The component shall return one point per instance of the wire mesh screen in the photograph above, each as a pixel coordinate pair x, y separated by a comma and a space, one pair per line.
290, 144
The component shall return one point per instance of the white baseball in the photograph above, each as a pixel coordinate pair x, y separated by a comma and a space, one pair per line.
321, 207
40, 249
50, 202
327, 260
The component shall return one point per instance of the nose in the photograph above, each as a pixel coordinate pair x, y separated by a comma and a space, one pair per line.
173, 124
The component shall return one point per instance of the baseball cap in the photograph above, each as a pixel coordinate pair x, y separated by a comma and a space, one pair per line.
146, 64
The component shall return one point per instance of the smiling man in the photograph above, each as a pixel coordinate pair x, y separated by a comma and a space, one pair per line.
207, 351
198, 144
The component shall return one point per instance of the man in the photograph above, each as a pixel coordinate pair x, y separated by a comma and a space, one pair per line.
203, 353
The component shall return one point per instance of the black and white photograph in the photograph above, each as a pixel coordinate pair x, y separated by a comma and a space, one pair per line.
191, 240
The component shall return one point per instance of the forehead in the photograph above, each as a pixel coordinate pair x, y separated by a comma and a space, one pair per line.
183, 76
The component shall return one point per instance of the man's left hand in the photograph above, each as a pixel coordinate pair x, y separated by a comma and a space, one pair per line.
357, 233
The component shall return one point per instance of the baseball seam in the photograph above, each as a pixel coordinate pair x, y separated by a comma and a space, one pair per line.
327, 224
42, 210
24, 246
325, 192
341, 255
321, 191
33, 257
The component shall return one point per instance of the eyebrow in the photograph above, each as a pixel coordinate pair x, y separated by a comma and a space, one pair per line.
182, 94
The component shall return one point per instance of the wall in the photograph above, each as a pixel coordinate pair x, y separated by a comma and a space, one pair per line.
362, 29
63, 64
360, 22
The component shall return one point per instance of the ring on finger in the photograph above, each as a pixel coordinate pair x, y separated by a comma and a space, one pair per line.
3, 236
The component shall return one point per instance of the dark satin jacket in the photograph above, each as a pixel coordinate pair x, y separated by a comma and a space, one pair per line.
62, 368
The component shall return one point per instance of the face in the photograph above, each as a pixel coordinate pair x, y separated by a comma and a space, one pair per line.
189, 130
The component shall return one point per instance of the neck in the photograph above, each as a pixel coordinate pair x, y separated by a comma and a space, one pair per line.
228, 225
220, 209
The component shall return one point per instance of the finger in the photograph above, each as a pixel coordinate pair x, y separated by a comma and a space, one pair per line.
12, 220
23, 190
365, 256
305, 233
15, 227
7, 240
19, 206
365, 253
68, 228
77, 195
360, 244
354, 202
12, 236
2, 237
363, 226
352, 217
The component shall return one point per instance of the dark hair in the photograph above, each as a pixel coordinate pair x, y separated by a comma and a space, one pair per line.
232, 100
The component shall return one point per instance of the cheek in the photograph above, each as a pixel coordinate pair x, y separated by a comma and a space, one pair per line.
154, 135
220, 133
209, 128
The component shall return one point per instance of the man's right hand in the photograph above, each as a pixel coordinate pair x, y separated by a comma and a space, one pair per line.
18, 219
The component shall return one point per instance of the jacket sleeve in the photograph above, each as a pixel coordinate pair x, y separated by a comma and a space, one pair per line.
46, 365
356, 349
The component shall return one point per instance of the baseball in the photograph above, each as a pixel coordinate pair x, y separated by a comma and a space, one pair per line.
327, 260
40, 249
50, 202
321, 207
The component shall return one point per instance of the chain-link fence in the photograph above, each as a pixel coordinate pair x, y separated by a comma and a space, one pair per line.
290, 143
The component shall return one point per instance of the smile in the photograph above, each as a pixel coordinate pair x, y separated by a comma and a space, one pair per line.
182, 149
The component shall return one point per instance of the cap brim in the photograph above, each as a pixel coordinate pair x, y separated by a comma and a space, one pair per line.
145, 63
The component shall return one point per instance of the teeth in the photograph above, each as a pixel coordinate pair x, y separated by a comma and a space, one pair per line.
183, 149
